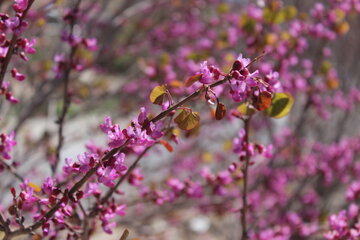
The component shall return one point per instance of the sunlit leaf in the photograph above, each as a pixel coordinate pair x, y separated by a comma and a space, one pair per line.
281, 105
176, 84
342, 28
34, 186
187, 119
167, 145
246, 109
290, 12
157, 94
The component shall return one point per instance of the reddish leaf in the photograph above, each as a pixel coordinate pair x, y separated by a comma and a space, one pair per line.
167, 145
220, 111
263, 101
191, 80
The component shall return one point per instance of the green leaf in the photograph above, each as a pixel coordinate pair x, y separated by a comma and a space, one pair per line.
280, 106
187, 119
157, 94
246, 109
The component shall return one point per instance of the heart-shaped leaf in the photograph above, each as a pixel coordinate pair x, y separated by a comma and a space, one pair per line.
263, 101
220, 111
187, 119
157, 94
280, 106
246, 109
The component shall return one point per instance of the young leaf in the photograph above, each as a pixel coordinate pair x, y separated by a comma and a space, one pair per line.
220, 111
34, 186
280, 106
246, 109
157, 94
263, 101
167, 145
187, 119
191, 80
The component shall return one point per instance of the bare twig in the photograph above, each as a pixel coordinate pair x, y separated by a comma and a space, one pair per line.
124, 235
11, 169
244, 209
66, 96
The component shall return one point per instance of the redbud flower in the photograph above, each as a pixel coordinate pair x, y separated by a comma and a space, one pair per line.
90, 43
207, 77
7, 144
20, 5
18, 76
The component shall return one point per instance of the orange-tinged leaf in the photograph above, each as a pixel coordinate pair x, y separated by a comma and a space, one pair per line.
167, 145
220, 111
34, 186
176, 84
36, 237
263, 101
191, 80
187, 119
157, 94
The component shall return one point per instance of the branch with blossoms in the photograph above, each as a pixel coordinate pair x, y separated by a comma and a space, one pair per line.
16, 45
143, 133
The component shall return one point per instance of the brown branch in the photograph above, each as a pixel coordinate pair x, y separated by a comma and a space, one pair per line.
4, 225
244, 235
124, 235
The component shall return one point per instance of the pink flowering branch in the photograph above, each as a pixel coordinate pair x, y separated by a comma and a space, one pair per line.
11, 47
93, 170
110, 192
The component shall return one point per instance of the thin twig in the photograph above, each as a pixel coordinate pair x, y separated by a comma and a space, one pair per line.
244, 209
11, 169
124, 235
66, 96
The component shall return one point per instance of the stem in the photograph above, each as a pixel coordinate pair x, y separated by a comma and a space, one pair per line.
244, 209
12, 170
124, 235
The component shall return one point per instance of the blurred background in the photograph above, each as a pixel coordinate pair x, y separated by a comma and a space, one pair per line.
314, 45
